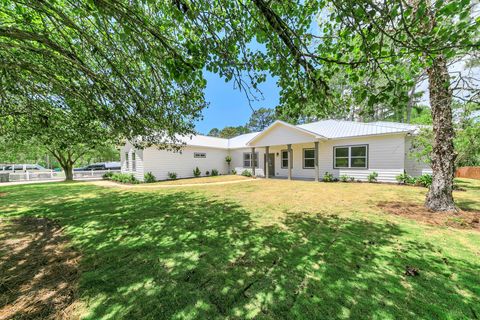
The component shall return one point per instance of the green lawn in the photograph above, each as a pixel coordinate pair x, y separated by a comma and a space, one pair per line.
259, 249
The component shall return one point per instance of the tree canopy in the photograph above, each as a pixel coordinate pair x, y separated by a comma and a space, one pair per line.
137, 66
259, 120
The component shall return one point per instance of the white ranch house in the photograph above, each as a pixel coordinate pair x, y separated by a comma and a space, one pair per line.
283, 150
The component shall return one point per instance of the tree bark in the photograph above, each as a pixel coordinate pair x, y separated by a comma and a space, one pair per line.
68, 172
440, 195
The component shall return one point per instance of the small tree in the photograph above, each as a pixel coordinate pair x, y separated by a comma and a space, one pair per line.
196, 172
228, 159
66, 136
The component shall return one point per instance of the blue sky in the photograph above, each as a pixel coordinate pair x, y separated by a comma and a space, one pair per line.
229, 106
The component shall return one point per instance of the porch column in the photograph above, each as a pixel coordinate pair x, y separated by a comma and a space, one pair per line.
252, 161
267, 162
317, 170
289, 148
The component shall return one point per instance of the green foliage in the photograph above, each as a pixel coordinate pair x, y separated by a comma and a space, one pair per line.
327, 177
246, 173
214, 172
207, 173
107, 175
105, 62
197, 172
261, 119
230, 132
228, 159
149, 177
425, 180
65, 135
233, 171
466, 142
129, 238
214, 132
344, 178
124, 178
372, 177
403, 178
172, 175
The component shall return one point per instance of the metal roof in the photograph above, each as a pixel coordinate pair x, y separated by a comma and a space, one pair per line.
337, 129
329, 129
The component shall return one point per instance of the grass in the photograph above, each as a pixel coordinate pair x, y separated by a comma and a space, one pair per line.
201, 180
261, 249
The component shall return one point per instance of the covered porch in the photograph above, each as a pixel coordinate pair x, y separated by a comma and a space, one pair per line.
289, 152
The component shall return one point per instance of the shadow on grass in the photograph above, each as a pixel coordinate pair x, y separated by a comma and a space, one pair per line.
38, 272
182, 255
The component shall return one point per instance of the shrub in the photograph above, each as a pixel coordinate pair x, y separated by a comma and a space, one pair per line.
207, 173
344, 178
149, 177
425, 180
372, 177
352, 179
327, 177
172, 175
214, 172
246, 173
107, 175
234, 171
228, 159
197, 172
411, 180
403, 178
124, 178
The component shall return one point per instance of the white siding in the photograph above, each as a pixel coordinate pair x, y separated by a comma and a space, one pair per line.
412, 166
237, 160
139, 163
281, 134
297, 170
161, 162
386, 155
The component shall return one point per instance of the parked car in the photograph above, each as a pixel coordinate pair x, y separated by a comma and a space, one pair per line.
25, 167
100, 166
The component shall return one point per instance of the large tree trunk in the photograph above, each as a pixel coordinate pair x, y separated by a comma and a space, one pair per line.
68, 172
440, 197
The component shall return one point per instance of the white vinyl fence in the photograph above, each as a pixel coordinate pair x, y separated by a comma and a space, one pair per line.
36, 175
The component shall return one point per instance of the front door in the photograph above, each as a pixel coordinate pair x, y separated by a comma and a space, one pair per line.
271, 165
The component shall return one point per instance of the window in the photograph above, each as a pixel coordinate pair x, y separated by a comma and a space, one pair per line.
308, 158
126, 160
350, 157
285, 159
247, 163
199, 155
341, 157
134, 162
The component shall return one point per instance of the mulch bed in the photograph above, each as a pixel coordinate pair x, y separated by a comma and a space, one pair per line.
461, 219
38, 271
3, 194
